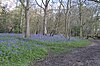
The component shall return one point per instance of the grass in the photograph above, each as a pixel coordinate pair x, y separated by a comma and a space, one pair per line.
59, 47
22, 51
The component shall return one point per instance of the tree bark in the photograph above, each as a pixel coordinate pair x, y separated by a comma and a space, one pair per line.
67, 18
45, 4
80, 18
26, 32
45, 22
27, 25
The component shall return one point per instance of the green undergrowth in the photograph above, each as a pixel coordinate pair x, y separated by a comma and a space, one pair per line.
59, 47
23, 51
79, 43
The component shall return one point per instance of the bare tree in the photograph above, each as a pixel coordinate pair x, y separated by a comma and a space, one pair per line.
67, 16
58, 19
26, 10
44, 7
80, 17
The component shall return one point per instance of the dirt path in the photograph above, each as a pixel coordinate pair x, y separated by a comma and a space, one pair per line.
86, 56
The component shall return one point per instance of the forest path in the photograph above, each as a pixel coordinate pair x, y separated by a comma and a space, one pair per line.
83, 56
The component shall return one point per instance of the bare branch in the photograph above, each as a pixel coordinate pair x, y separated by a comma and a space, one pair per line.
38, 4
31, 5
22, 3
27, 4
61, 3
48, 1
84, 1
43, 3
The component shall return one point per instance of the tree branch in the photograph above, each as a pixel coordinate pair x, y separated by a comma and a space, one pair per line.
61, 3
22, 3
43, 3
31, 5
48, 1
38, 4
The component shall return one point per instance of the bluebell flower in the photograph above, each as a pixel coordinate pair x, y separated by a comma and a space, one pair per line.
0, 52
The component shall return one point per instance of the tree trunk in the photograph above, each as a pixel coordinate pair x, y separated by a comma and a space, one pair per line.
27, 25
45, 22
80, 18
21, 21
67, 19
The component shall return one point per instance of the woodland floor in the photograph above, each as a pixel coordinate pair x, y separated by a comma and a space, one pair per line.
82, 56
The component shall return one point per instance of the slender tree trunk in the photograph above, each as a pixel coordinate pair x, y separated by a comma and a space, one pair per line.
21, 20
45, 22
45, 4
23, 27
59, 18
67, 18
20, 24
37, 24
80, 18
